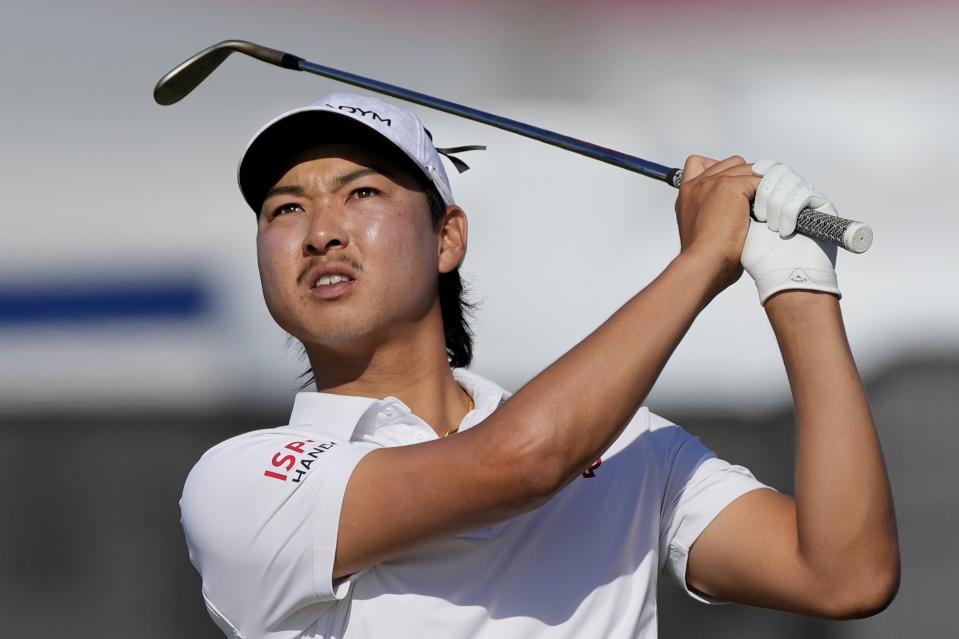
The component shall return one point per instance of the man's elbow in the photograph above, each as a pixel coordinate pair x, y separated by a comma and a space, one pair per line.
539, 476
868, 595
536, 471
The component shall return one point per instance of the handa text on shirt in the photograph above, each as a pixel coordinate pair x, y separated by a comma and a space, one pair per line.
298, 463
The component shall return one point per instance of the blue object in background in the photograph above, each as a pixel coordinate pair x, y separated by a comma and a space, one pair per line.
144, 298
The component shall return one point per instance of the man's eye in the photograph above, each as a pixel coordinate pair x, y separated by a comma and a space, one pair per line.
286, 208
364, 192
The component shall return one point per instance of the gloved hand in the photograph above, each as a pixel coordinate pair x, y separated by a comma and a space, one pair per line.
776, 257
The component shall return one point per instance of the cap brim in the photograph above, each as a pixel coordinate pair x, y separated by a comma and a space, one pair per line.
269, 153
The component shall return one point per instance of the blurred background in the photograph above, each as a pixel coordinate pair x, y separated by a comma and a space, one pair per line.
133, 335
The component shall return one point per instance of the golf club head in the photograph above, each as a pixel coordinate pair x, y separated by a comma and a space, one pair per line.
187, 75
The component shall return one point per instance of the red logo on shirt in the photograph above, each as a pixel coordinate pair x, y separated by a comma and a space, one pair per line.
590, 472
285, 460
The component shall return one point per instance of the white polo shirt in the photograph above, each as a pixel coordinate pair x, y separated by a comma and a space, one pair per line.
261, 512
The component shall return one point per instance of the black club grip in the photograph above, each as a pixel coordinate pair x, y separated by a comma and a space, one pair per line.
851, 235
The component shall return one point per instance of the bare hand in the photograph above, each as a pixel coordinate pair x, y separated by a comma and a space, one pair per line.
712, 211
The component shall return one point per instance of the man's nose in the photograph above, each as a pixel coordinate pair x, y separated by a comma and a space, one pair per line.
326, 231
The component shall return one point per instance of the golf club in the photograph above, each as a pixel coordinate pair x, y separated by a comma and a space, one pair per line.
181, 80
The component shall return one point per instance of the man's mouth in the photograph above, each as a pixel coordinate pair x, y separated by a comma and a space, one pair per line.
330, 280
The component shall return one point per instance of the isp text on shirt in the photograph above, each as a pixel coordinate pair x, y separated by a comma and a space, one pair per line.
296, 459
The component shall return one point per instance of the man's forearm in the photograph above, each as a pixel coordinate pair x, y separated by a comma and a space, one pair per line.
845, 521
578, 405
575, 408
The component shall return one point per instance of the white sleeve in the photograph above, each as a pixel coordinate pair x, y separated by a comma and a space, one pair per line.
260, 513
698, 487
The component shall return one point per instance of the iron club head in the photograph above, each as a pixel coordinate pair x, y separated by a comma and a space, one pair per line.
187, 75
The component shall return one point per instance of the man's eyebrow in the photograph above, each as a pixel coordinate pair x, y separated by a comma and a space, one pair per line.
293, 189
339, 181
333, 183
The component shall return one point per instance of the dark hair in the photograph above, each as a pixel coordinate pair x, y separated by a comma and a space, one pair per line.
454, 306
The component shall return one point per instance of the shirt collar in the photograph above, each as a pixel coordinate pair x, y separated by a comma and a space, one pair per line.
333, 414
339, 415
487, 396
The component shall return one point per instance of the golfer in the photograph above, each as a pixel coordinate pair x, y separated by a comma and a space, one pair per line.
411, 497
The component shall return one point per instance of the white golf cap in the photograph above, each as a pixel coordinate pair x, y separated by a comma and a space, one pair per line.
338, 118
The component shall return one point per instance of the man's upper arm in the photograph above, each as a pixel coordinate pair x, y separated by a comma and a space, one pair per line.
749, 554
727, 541
275, 519
400, 496
699, 488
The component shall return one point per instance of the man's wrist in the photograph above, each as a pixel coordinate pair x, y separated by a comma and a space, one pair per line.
794, 306
713, 268
704, 274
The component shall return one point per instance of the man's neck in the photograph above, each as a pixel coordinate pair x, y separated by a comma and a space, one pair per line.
413, 369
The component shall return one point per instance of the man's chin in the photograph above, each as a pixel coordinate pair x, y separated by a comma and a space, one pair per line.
339, 337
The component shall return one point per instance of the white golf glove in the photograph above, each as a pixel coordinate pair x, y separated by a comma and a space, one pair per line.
776, 257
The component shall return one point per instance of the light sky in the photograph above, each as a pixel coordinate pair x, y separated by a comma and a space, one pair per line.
100, 183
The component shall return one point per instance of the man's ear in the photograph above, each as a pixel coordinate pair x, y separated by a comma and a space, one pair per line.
451, 238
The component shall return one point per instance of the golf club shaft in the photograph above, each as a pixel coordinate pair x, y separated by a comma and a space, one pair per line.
622, 160
851, 235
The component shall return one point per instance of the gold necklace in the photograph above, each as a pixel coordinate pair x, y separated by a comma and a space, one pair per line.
471, 406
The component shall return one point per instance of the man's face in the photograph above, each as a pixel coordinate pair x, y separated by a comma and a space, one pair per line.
346, 249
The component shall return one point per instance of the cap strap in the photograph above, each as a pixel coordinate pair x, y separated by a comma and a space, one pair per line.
458, 163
